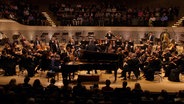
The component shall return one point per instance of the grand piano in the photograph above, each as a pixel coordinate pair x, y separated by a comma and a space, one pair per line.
90, 60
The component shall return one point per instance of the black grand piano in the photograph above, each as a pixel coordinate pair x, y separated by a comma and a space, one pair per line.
89, 60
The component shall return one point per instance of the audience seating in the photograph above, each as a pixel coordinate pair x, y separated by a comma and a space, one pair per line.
89, 95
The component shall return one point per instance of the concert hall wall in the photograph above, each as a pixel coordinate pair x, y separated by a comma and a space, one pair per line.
10, 28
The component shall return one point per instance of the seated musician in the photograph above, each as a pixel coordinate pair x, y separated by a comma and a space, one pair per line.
153, 64
27, 61
131, 64
151, 38
44, 60
83, 43
8, 63
128, 46
37, 42
175, 67
120, 54
166, 60
118, 42
55, 63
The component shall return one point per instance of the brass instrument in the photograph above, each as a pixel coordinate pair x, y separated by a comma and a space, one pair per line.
167, 44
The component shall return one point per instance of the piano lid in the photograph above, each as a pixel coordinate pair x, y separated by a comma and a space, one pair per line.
97, 56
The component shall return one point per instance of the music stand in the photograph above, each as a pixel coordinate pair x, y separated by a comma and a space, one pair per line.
43, 37
77, 36
64, 36
91, 35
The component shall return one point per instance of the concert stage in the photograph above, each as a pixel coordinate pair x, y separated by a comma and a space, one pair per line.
153, 86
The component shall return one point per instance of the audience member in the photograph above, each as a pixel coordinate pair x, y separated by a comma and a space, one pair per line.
180, 97
37, 87
22, 11
164, 98
79, 90
52, 92
137, 92
107, 87
3, 98
95, 92
91, 96
66, 90
146, 98
12, 85
123, 94
110, 14
25, 90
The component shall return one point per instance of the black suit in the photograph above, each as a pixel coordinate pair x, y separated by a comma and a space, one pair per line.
36, 42
133, 65
92, 47
56, 48
55, 65
109, 35
153, 65
151, 39
51, 44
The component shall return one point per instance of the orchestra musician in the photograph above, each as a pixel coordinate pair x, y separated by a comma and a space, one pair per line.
175, 67
120, 58
37, 42
131, 63
165, 40
71, 43
56, 47
27, 55
52, 43
118, 42
55, 64
83, 43
151, 38
127, 46
8, 63
153, 63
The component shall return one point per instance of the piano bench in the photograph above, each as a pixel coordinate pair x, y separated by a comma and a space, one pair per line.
51, 74
89, 78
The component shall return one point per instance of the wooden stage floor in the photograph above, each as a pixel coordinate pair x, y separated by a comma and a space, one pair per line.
153, 86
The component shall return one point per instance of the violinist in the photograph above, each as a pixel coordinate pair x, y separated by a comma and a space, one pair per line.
174, 68
9, 60
45, 59
166, 61
37, 42
52, 43
118, 43
121, 57
172, 64
153, 64
131, 63
8, 63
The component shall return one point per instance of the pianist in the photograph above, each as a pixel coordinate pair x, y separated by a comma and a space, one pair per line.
94, 48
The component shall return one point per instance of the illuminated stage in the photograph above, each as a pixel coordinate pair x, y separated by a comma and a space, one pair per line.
11, 28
